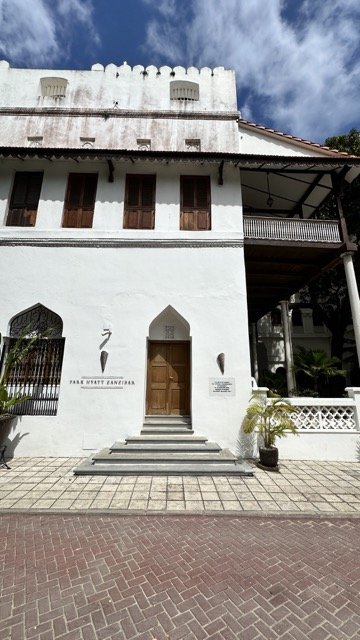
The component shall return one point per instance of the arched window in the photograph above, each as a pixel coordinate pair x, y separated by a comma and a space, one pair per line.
37, 375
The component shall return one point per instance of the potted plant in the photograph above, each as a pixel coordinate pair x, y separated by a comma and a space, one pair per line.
273, 418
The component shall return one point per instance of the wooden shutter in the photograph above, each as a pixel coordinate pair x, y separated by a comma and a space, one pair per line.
80, 200
25, 199
139, 209
195, 203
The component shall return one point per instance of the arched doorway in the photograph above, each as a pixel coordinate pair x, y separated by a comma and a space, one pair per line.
168, 369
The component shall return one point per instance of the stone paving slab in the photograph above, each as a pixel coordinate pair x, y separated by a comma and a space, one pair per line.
321, 488
165, 577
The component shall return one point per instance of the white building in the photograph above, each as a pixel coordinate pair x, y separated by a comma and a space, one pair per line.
147, 224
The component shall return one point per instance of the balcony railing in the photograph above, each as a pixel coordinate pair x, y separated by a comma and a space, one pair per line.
290, 229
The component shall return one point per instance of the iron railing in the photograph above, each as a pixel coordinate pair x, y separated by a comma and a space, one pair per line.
37, 376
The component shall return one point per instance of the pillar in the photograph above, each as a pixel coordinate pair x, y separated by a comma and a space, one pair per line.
254, 351
353, 297
289, 364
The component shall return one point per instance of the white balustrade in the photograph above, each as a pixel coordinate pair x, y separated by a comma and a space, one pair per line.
290, 229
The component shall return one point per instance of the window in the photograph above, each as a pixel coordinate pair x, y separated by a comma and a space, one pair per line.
80, 200
24, 199
139, 209
184, 90
195, 203
53, 87
36, 376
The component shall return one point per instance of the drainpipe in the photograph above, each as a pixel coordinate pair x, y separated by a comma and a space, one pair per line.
289, 363
353, 296
254, 351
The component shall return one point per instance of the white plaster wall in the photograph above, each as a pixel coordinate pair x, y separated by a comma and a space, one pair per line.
92, 287
327, 445
256, 142
129, 87
117, 131
226, 209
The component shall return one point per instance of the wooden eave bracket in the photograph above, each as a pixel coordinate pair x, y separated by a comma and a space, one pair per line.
220, 173
111, 170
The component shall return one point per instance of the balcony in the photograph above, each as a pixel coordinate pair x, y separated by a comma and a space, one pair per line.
291, 230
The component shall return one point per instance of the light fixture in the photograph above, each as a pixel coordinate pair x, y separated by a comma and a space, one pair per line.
270, 200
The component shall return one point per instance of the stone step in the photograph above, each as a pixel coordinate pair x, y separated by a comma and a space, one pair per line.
190, 468
171, 420
165, 437
142, 457
160, 445
166, 429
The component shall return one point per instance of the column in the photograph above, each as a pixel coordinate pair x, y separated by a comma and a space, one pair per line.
254, 351
353, 297
290, 376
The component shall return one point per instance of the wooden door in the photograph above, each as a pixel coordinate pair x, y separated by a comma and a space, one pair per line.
168, 385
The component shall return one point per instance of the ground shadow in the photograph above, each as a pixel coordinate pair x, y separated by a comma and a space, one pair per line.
9, 438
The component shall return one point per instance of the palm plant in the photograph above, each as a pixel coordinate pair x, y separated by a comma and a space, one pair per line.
316, 366
14, 356
272, 417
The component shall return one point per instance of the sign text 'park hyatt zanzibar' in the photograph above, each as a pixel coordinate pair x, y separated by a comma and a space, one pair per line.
102, 382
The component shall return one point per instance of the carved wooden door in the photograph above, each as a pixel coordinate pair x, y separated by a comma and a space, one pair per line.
168, 387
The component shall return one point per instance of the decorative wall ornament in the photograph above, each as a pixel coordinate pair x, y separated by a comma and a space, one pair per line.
35, 141
103, 358
169, 332
221, 362
37, 319
143, 145
87, 143
193, 144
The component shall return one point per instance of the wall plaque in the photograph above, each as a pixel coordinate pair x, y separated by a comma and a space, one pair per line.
222, 387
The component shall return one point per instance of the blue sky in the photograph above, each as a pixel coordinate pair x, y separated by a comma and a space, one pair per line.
297, 62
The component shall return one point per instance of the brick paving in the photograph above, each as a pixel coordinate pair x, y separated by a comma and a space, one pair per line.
302, 487
173, 577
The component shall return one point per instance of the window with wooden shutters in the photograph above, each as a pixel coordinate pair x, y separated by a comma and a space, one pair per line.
195, 201
24, 199
139, 209
80, 200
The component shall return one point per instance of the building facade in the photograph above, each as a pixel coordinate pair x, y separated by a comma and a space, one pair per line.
143, 225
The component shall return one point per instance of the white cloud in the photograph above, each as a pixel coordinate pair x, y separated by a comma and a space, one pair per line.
36, 32
303, 71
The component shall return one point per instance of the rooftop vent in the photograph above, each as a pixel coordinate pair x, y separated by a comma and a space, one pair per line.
184, 90
53, 87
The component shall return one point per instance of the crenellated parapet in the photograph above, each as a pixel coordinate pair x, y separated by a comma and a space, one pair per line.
120, 87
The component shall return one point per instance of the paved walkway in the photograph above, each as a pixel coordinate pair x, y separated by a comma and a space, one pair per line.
166, 577
331, 488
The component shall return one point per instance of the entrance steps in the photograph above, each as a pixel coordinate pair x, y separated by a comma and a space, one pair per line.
164, 447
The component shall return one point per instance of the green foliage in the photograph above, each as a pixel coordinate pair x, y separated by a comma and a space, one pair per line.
272, 417
275, 381
349, 142
14, 356
316, 366
328, 294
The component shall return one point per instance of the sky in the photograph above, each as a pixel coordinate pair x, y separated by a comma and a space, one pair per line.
297, 62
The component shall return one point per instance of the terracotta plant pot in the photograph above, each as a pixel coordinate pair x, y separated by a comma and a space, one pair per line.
269, 456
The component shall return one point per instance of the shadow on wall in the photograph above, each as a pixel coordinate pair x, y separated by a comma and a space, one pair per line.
358, 450
8, 437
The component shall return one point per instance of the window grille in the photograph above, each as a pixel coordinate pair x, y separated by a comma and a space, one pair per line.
184, 90
37, 376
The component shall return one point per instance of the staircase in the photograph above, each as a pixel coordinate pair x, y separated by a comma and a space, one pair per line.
166, 446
